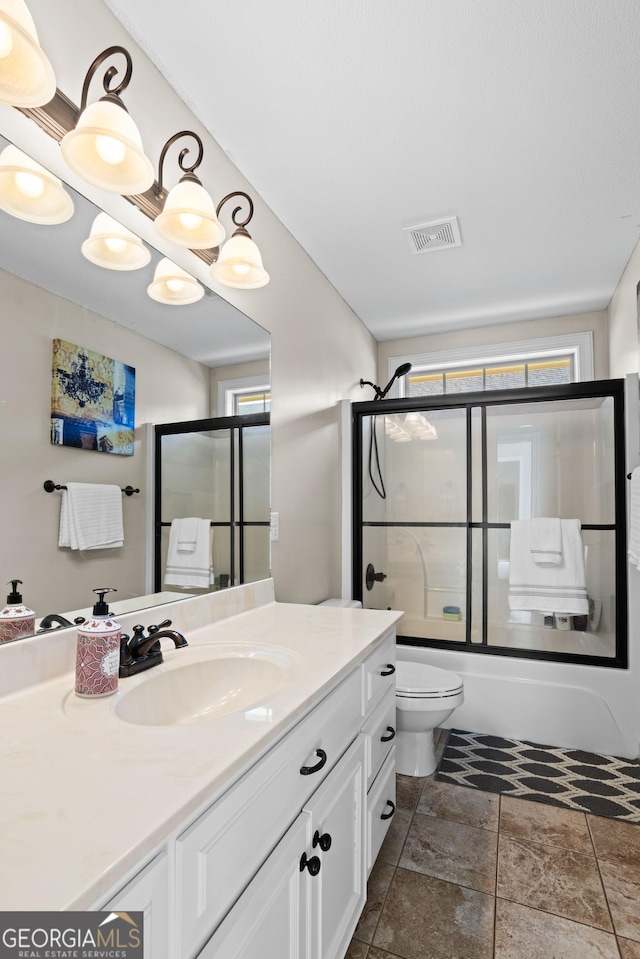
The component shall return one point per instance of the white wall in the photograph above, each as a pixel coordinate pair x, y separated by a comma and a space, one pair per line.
320, 349
623, 320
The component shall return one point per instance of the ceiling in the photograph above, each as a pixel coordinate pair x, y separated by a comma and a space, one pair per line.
355, 120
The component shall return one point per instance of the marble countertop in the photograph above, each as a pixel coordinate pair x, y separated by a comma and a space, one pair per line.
86, 796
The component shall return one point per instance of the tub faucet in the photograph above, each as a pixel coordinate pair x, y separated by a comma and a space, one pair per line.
142, 652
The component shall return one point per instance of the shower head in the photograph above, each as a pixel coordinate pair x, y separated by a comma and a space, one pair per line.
380, 394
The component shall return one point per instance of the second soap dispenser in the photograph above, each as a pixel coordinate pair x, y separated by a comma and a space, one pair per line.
98, 651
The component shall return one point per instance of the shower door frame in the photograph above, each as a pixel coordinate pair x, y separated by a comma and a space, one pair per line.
235, 425
482, 400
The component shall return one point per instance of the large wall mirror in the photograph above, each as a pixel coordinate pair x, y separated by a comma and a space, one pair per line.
49, 290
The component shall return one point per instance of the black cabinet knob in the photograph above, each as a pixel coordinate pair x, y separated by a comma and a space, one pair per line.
388, 815
324, 841
387, 739
389, 671
308, 770
313, 864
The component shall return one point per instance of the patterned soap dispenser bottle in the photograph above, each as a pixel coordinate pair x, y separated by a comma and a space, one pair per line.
16, 620
98, 651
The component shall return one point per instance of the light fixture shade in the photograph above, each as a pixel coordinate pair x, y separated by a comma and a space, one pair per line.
189, 217
105, 149
113, 247
29, 191
173, 285
240, 264
26, 76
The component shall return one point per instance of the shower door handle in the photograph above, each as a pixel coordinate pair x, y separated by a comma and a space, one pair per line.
372, 577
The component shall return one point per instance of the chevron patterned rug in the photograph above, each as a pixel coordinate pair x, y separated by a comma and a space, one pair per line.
571, 778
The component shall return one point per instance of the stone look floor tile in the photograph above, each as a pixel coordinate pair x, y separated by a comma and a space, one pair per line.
615, 841
394, 840
426, 917
459, 804
523, 933
629, 949
553, 879
357, 950
622, 886
377, 888
408, 789
452, 851
375, 953
540, 822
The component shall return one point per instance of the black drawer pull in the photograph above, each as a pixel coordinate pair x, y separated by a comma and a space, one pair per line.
387, 739
324, 841
388, 815
307, 770
313, 864
389, 671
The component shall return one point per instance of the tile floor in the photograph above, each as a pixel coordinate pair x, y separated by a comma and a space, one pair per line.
465, 874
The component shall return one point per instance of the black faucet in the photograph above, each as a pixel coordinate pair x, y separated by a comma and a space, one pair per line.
142, 652
46, 623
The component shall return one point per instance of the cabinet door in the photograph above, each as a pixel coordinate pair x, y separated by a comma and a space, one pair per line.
271, 918
148, 892
338, 891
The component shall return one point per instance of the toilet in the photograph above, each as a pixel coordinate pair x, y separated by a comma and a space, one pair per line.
425, 698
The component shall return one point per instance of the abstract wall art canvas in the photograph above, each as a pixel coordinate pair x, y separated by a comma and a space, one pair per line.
92, 400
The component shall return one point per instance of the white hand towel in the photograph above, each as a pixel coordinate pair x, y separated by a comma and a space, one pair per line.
547, 589
191, 570
634, 517
546, 540
91, 516
188, 534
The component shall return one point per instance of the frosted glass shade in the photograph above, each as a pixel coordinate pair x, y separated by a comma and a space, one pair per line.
174, 286
189, 218
30, 192
240, 264
114, 247
26, 76
105, 149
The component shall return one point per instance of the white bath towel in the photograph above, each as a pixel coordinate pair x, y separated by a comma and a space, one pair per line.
634, 517
548, 589
91, 516
546, 540
191, 570
187, 534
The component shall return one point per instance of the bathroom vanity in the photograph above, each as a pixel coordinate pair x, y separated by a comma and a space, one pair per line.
242, 827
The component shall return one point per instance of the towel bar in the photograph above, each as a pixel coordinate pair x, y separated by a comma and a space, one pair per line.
50, 486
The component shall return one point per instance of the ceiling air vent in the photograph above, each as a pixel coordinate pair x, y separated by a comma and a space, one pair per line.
437, 235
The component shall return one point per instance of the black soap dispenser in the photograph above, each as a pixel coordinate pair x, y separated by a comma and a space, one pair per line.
98, 651
16, 620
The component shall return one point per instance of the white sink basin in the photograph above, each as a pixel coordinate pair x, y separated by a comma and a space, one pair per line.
205, 689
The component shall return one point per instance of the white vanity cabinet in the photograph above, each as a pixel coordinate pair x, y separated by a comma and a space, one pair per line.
277, 866
305, 901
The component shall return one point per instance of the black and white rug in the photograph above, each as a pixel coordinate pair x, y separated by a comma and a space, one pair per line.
571, 778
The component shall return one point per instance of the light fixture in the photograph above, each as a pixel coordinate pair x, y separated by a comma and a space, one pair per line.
239, 263
113, 247
105, 148
30, 192
26, 76
188, 217
173, 285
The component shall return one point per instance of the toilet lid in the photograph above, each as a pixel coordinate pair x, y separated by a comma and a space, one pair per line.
419, 679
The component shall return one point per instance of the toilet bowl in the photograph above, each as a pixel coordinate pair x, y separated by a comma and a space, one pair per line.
425, 698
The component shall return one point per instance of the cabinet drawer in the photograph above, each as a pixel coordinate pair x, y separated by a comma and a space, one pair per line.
148, 892
379, 672
380, 730
219, 854
381, 804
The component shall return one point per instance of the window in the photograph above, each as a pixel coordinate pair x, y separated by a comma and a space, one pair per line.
244, 395
248, 401
549, 361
